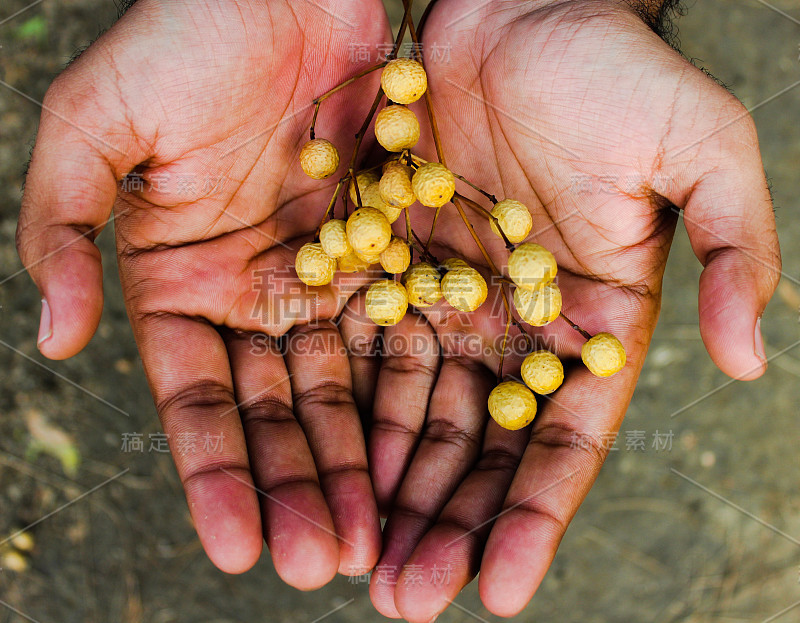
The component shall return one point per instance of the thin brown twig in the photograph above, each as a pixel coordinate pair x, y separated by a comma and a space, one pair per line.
330, 207
583, 332
437, 141
486, 194
317, 101
364, 126
484, 212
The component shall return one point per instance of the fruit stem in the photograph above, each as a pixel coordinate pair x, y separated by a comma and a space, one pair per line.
430, 257
330, 207
479, 208
488, 195
437, 141
409, 239
584, 333
317, 101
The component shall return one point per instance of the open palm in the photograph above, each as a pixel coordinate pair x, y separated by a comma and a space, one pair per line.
195, 112
579, 111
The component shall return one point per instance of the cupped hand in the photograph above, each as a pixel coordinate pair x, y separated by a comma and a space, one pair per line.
188, 118
582, 113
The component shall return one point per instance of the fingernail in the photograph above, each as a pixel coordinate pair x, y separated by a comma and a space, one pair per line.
45, 324
759, 343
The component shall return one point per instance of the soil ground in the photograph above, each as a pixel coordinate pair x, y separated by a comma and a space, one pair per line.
702, 531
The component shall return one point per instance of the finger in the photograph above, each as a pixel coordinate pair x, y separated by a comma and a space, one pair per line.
323, 402
70, 188
361, 338
448, 556
729, 219
407, 374
192, 387
258, 293
568, 445
297, 523
449, 447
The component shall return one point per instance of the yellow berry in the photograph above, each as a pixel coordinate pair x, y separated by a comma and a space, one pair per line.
603, 354
543, 372
319, 158
514, 219
369, 258
364, 179
368, 232
531, 266
333, 238
396, 257
452, 263
464, 288
538, 307
14, 561
23, 541
404, 80
433, 184
423, 284
395, 185
351, 263
396, 128
372, 199
512, 405
313, 265
386, 302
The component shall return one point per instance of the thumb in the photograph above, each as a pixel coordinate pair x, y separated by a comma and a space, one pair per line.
731, 227
80, 154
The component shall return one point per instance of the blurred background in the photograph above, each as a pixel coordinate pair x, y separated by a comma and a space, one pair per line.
695, 516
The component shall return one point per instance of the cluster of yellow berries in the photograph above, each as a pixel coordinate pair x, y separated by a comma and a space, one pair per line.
15, 551
366, 238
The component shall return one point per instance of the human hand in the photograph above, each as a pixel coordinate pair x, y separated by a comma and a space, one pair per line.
535, 99
216, 96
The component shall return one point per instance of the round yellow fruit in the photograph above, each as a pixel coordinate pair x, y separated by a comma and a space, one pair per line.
14, 561
433, 184
452, 263
464, 288
333, 238
368, 232
395, 185
372, 199
603, 354
514, 219
396, 128
531, 266
386, 302
369, 258
313, 265
538, 307
423, 284
364, 179
512, 405
542, 372
396, 257
319, 158
351, 263
23, 541
404, 80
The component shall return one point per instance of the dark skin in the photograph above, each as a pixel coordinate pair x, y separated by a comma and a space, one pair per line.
524, 126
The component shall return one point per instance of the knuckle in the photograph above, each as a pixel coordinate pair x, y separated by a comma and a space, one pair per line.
202, 394
327, 394
559, 436
443, 431
272, 409
498, 460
